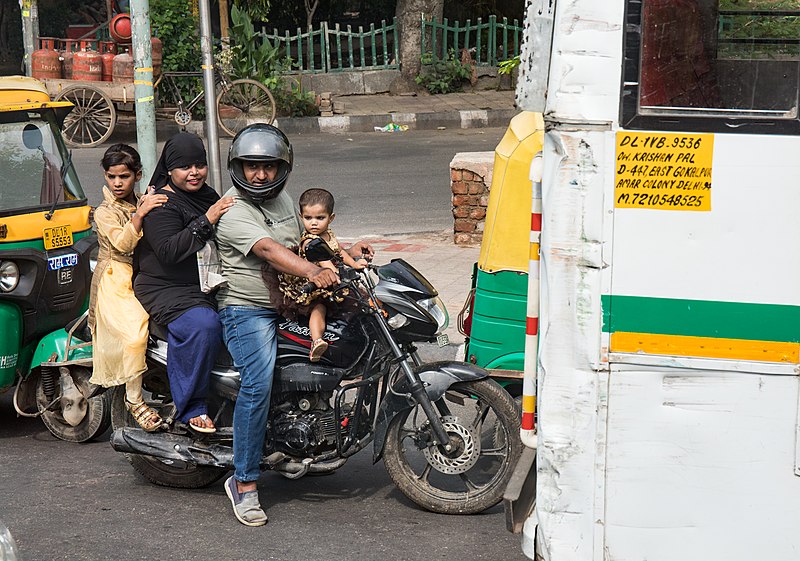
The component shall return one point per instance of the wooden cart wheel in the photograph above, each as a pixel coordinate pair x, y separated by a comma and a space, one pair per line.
93, 119
244, 102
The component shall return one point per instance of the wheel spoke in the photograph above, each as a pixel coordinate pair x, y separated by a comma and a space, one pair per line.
470, 485
426, 473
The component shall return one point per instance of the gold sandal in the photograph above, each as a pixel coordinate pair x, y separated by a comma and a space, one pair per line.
144, 415
318, 348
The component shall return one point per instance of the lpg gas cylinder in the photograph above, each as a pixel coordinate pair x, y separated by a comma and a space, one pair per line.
123, 67
120, 28
108, 51
46, 62
87, 64
157, 46
67, 54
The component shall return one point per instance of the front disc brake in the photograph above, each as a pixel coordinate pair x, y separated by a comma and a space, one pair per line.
468, 445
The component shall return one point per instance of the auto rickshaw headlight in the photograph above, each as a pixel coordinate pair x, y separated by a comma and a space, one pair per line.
9, 276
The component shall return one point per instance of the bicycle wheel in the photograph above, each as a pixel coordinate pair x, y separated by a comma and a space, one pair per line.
243, 103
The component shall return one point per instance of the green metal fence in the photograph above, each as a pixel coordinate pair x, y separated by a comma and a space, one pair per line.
488, 42
333, 49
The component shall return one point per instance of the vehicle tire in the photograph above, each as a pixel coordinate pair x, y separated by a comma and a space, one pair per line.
243, 103
92, 120
484, 424
161, 472
96, 420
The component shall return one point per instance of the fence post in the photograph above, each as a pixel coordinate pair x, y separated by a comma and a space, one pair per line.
466, 35
361, 44
491, 48
396, 43
478, 42
433, 40
444, 38
327, 46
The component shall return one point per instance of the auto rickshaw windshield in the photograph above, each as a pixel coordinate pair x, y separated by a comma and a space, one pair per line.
34, 176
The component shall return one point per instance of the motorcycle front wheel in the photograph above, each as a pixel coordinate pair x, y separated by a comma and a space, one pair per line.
168, 473
483, 423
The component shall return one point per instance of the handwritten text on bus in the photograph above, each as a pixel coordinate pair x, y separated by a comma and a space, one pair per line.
663, 171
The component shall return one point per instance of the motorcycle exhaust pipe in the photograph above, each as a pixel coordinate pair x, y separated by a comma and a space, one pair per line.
166, 446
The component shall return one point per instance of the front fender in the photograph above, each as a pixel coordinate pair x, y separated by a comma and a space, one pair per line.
55, 343
437, 377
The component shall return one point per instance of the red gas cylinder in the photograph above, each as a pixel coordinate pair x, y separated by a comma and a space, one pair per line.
46, 62
120, 28
87, 64
123, 68
108, 50
66, 57
157, 46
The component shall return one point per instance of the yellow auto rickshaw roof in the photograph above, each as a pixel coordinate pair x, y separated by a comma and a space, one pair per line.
21, 93
506, 236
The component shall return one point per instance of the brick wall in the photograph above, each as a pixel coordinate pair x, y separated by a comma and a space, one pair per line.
470, 180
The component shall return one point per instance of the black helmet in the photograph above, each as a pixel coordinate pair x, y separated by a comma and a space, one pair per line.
260, 143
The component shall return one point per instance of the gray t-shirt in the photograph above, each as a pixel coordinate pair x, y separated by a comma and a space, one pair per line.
238, 231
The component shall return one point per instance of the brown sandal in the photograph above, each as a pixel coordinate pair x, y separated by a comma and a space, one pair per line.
318, 348
144, 415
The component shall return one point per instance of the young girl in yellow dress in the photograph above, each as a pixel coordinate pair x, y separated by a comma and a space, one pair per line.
117, 320
316, 212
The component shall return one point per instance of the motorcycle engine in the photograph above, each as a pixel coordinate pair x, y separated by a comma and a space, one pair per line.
305, 433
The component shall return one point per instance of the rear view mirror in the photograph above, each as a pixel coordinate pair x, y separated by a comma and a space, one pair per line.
32, 137
318, 250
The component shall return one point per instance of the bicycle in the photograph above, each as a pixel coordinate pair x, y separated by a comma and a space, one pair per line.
239, 102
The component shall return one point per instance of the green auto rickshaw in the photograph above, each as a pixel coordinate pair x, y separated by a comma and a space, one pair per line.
46, 245
494, 317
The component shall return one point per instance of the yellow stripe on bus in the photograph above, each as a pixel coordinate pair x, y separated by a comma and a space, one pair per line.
705, 347
24, 227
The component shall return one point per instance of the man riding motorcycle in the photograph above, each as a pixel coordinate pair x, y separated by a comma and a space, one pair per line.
257, 229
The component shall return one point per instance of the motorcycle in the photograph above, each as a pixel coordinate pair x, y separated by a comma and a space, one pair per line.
448, 435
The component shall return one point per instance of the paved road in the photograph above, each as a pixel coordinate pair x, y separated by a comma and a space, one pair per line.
84, 502
384, 183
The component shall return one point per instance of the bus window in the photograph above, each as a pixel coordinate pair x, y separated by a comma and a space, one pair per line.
709, 61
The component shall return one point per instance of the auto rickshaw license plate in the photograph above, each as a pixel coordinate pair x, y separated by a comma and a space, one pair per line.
59, 236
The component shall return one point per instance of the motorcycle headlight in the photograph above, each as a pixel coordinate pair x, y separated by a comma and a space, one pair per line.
435, 307
9, 276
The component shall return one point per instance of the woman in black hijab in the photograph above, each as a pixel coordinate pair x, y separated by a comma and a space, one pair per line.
167, 281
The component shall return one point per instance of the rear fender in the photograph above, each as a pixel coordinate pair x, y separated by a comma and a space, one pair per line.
437, 377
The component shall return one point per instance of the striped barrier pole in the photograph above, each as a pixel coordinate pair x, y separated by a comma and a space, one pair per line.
528, 428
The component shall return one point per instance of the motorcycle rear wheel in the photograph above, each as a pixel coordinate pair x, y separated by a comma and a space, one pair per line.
181, 475
484, 425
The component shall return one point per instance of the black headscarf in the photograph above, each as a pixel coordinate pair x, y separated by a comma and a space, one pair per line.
183, 149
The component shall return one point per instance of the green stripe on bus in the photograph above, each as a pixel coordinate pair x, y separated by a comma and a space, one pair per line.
39, 243
701, 318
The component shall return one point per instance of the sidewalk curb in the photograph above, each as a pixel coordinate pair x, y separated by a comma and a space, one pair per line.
125, 131
463, 119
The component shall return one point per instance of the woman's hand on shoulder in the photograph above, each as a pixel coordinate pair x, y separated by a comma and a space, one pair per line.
219, 208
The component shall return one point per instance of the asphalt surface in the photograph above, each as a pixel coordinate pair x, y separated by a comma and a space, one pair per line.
85, 502
384, 183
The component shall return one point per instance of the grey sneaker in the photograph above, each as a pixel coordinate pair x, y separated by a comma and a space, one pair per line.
245, 505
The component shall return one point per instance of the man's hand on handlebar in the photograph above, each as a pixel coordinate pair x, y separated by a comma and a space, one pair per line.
324, 278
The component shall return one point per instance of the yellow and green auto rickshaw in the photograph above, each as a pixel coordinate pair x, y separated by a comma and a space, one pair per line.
46, 243
494, 316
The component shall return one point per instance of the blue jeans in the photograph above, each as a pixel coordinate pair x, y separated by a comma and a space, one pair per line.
250, 335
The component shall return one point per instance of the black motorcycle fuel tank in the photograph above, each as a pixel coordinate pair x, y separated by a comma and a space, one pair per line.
347, 342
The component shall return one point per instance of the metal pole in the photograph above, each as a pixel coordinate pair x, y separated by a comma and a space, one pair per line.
212, 138
143, 87
30, 31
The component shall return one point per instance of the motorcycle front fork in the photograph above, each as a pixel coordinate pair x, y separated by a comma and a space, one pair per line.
417, 389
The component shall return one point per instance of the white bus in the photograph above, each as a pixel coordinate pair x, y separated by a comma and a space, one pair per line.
667, 361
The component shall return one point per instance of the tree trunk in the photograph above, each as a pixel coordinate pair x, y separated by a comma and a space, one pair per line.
409, 15
311, 7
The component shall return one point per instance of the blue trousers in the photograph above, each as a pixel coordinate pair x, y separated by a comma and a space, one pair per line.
194, 342
250, 335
